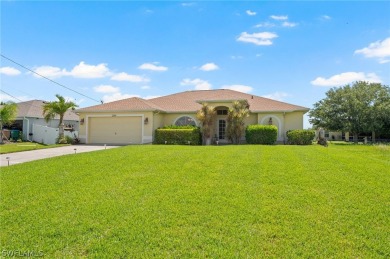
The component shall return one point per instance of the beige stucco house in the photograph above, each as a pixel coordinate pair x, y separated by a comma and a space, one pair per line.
134, 120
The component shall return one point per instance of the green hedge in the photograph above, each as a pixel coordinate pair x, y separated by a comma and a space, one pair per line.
261, 134
179, 127
178, 136
300, 137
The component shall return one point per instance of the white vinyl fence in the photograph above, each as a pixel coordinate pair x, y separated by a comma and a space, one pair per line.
47, 135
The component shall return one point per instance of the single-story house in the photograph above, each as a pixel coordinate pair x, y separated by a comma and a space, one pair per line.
134, 120
31, 113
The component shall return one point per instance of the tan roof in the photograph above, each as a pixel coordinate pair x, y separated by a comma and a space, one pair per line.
130, 104
190, 101
34, 109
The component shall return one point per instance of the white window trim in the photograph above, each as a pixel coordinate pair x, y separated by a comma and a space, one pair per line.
177, 118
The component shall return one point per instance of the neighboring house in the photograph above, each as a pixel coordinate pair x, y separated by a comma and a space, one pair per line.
134, 120
334, 135
31, 113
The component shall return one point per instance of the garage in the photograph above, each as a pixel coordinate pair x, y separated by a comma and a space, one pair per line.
115, 130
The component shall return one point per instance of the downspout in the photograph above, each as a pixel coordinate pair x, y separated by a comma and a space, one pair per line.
154, 114
28, 129
284, 128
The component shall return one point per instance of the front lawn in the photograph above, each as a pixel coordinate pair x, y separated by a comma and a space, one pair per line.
23, 146
194, 201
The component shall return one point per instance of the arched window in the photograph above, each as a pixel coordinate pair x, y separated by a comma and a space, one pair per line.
185, 120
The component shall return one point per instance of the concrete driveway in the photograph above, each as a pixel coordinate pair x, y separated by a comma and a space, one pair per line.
26, 156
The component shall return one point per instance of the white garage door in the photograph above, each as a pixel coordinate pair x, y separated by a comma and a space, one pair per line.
115, 130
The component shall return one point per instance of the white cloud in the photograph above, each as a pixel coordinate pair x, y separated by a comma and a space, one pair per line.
326, 17
116, 97
279, 17
199, 84
265, 24
106, 89
289, 24
50, 72
7, 98
187, 4
83, 70
236, 57
279, 96
129, 78
145, 87
9, 71
209, 67
345, 78
239, 88
250, 13
259, 38
151, 97
153, 67
378, 49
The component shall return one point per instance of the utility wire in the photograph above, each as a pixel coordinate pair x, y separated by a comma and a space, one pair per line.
11, 95
32, 71
40, 107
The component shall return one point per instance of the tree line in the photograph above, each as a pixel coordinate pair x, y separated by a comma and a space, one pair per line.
358, 108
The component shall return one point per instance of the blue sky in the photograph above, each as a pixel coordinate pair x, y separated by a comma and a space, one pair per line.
288, 51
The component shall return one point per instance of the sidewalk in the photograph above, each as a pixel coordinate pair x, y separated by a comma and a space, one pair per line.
26, 156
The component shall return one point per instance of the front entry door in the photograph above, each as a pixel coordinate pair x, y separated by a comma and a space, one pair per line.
221, 129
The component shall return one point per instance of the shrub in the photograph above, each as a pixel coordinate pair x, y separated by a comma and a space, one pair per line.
69, 139
300, 137
181, 135
65, 140
61, 141
179, 127
261, 134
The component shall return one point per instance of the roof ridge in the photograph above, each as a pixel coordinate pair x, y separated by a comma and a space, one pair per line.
280, 101
149, 103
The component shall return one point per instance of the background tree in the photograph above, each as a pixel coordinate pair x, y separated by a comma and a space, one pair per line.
362, 107
60, 107
235, 120
8, 113
206, 116
378, 114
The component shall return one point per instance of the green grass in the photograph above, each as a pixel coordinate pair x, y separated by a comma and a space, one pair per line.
23, 146
194, 201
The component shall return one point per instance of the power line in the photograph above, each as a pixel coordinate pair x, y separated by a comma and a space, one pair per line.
32, 71
40, 107
11, 95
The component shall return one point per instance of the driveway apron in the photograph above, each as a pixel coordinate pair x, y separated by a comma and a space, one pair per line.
26, 156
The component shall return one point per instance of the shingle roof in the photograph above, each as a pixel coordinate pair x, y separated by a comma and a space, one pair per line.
130, 104
34, 109
190, 101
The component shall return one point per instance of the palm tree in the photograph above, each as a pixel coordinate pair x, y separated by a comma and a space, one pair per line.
60, 107
8, 113
235, 120
206, 116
